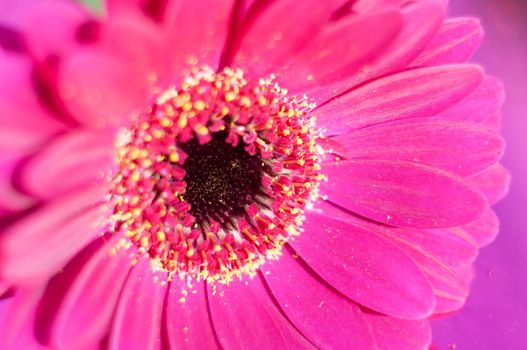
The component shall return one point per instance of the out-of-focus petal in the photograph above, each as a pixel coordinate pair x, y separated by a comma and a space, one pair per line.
78, 304
74, 160
39, 244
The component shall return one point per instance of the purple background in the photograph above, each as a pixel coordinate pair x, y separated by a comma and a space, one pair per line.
495, 316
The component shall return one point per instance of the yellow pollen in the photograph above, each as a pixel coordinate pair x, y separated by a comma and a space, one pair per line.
173, 157
199, 105
230, 96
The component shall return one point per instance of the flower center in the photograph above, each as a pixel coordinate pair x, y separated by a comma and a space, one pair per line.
214, 177
221, 179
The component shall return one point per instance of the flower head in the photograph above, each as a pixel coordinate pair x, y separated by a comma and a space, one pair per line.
223, 174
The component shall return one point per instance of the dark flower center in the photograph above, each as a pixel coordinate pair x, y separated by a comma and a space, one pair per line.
221, 179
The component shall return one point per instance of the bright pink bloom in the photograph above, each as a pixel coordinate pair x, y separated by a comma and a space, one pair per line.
159, 142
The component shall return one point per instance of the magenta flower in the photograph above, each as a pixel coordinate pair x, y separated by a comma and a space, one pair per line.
216, 174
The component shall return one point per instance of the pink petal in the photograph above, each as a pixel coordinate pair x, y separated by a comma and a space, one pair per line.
402, 193
20, 110
11, 200
340, 50
433, 256
459, 147
245, 316
411, 94
80, 301
17, 327
142, 44
480, 104
138, 317
201, 43
494, 182
49, 26
40, 243
188, 324
309, 303
100, 89
72, 161
365, 267
422, 19
393, 333
485, 229
456, 41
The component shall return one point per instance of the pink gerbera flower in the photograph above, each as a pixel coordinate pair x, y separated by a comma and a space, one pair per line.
221, 174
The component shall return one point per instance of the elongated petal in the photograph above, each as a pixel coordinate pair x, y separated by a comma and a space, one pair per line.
245, 316
188, 324
393, 333
494, 182
421, 21
480, 104
310, 304
455, 42
72, 161
20, 110
39, 244
402, 193
410, 94
101, 90
365, 267
16, 327
458, 147
201, 43
75, 313
485, 229
137, 320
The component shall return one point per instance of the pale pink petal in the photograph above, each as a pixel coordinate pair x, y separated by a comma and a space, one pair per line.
480, 104
414, 93
350, 40
309, 303
80, 301
74, 160
459, 147
402, 193
393, 333
422, 19
245, 316
39, 244
365, 267
100, 89
203, 43
494, 182
485, 229
456, 41
25, 124
138, 317
188, 322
